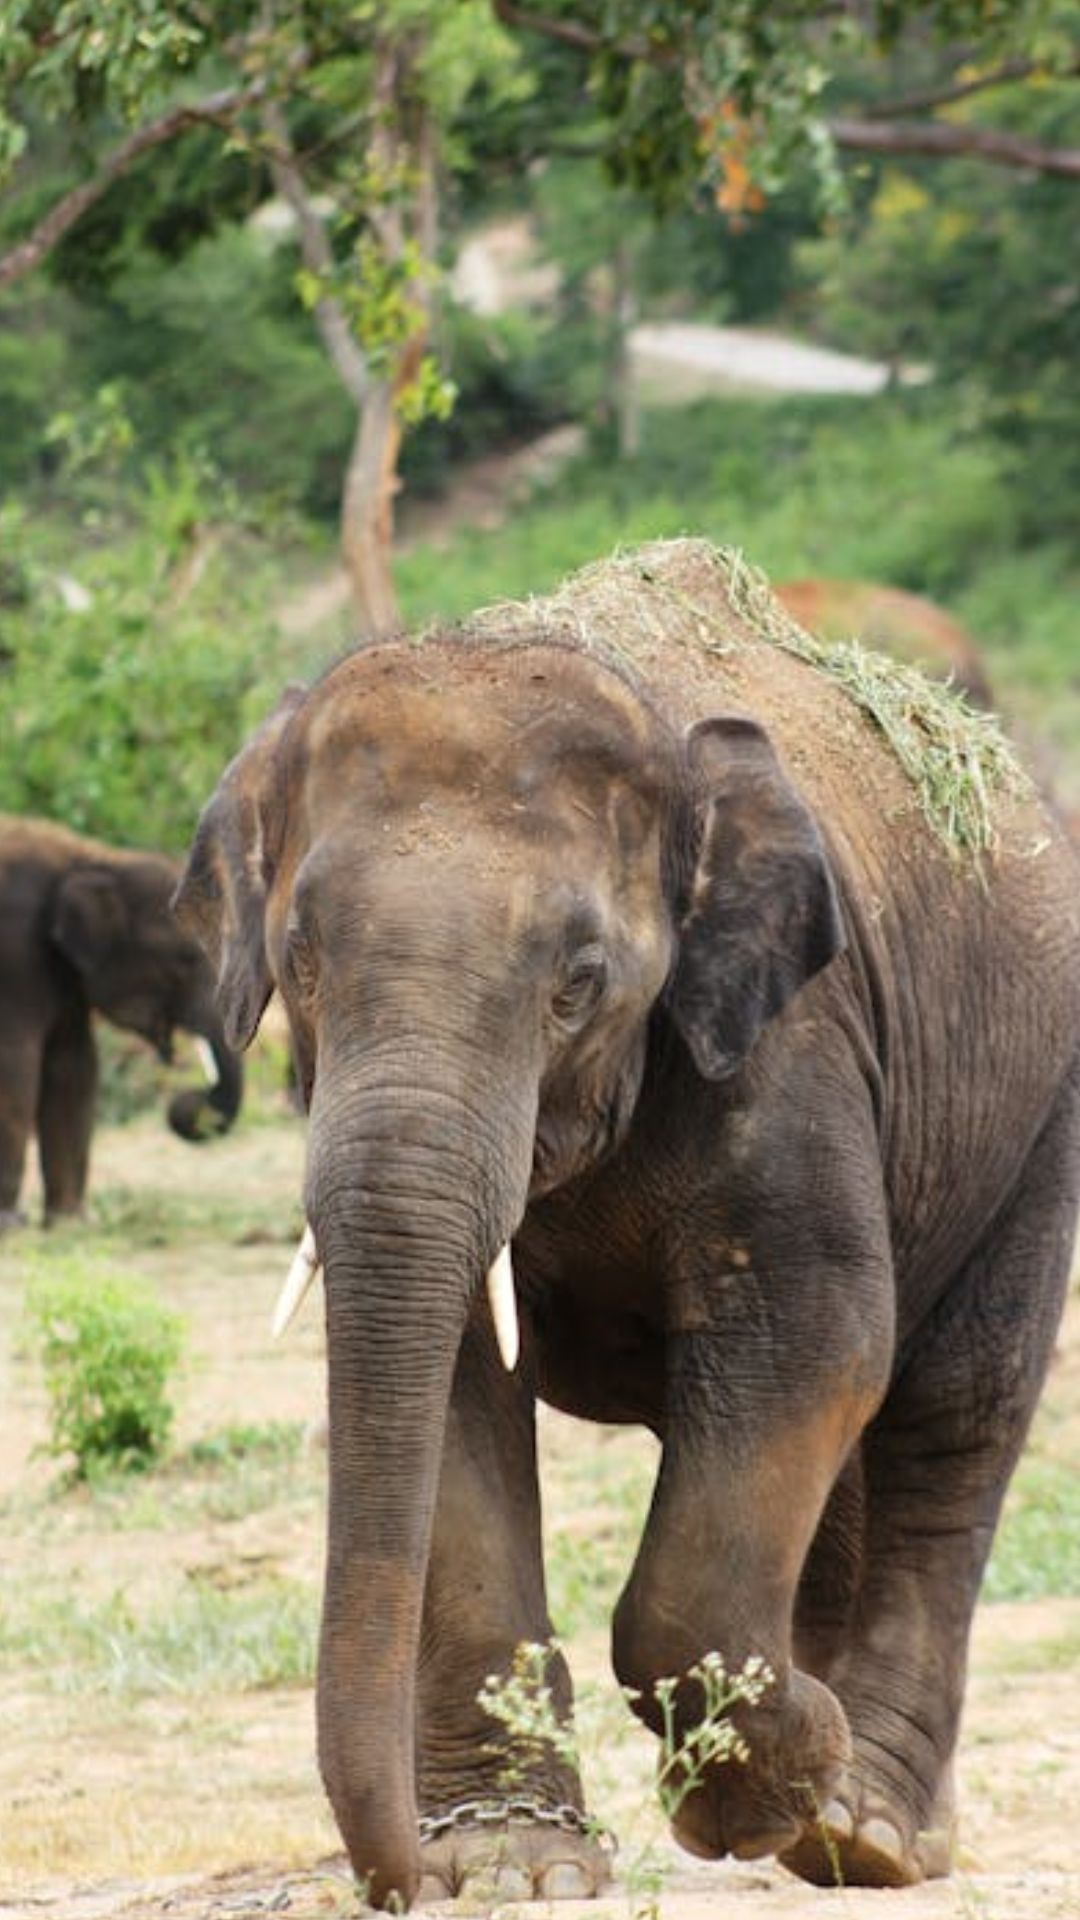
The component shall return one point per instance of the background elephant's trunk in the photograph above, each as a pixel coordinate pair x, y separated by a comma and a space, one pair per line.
201, 1113
411, 1190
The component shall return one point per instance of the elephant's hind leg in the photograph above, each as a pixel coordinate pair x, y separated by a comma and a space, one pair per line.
937, 1461
503, 1807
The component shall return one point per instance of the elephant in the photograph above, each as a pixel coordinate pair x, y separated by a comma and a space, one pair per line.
87, 928
629, 966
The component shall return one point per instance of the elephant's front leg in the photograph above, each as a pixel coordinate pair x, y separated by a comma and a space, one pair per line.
770, 1379
500, 1810
20, 1069
66, 1113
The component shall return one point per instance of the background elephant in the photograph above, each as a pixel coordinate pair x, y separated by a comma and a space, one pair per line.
906, 625
88, 928
612, 925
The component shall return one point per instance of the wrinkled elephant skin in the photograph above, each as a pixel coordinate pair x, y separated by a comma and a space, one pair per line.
648, 961
88, 928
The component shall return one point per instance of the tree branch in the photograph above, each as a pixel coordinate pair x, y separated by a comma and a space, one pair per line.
940, 139
573, 33
881, 131
344, 354
950, 91
215, 108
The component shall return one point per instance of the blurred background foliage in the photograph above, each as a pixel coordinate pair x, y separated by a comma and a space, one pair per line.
174, 436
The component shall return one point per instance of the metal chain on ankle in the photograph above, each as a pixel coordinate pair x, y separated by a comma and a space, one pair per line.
499, 1813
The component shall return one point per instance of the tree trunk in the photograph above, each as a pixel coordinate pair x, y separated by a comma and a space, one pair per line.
403, 146
367, 512
625, 407
371, 487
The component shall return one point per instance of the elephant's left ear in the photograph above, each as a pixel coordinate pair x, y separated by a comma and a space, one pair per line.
222, 895
763, 915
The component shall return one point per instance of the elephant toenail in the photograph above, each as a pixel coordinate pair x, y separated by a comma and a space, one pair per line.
883, 1837
565, 1880
837, 1820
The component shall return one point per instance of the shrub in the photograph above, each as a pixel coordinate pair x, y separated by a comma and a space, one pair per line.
108, 1350
120, 714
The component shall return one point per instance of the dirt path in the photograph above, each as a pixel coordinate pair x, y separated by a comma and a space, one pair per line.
677, 360
130, 1786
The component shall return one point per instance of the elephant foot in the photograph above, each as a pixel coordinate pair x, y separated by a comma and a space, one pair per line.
859, 1840
513, 1860
798, 1748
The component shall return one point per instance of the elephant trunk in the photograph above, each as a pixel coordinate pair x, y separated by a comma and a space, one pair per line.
201, 1113
411, 1191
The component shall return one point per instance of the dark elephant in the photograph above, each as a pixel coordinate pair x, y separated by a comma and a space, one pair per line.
613, 926
87, 928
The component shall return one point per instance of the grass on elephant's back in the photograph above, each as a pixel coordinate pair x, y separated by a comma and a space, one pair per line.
632, 610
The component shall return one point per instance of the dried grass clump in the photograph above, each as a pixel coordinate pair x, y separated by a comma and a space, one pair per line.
631, 608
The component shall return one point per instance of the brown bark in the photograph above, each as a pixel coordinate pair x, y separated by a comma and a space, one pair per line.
372, 483
216, 108
941, 139
342, 350
367, 512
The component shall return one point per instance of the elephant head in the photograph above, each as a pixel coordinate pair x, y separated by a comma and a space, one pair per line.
112, 922
480, 877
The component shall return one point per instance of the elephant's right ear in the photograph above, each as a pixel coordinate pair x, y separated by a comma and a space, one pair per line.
763, 915
221, 898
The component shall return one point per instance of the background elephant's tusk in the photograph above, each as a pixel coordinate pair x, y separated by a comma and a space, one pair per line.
207, 1061
304, 1267
500, 1288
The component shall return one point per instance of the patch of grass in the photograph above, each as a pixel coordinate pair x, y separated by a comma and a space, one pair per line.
1037, 1550
160, 1216
597, 1498
109, 1351
202, 1640
1060, 1653
242, 1441
223, 1477
584, 1574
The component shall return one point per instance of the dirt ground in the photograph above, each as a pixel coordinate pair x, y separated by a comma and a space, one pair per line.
153, 1797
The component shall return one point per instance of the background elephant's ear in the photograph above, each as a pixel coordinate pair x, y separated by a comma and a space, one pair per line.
90, 919
221, 898
763, 915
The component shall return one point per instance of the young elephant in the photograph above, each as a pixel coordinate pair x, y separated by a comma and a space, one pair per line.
88, 928
612, 926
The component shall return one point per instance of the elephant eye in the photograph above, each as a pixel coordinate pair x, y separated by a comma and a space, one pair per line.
581, 986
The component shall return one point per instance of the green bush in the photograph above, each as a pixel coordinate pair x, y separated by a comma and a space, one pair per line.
109, 1351
885, 489
119, 714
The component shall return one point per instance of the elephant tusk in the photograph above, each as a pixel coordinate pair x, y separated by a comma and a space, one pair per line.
305, 1266
207, 1061
500, 1289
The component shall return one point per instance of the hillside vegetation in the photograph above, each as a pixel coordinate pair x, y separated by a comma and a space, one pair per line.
157, 607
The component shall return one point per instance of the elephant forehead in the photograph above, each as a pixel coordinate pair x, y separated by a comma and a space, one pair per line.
523, 738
